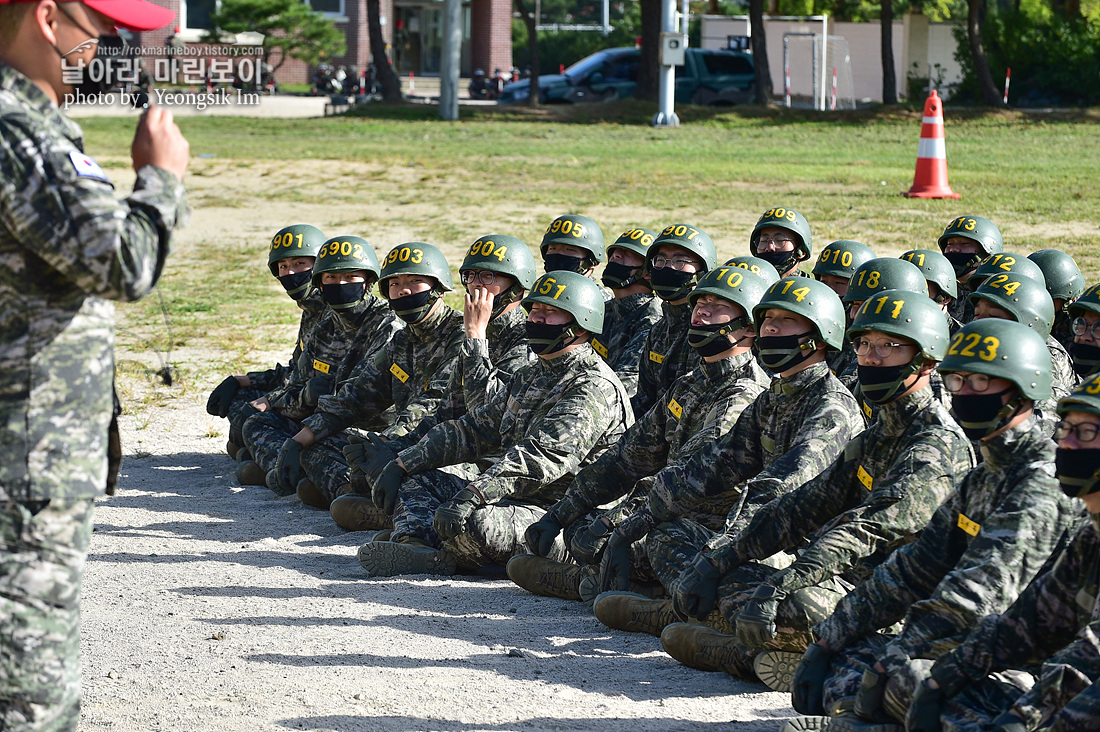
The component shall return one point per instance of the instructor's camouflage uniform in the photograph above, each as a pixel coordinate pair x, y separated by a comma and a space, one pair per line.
67, 247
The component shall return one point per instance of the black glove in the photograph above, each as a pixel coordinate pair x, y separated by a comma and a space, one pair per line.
384, 491
540, 535
1009, 722
615, 565
808, 684
869, 697
590, 541
924, 710
315, 388
756, 621
218, 402
288, 467
696, 590
450, 518
368, 455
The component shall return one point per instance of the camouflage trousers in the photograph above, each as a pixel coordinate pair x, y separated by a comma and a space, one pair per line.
237, 416
324, 464
494, 533
975, 707
264, 435
1080, 713
674, 544
43, 545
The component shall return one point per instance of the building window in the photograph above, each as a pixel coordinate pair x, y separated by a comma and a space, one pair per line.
197, 14
330, 8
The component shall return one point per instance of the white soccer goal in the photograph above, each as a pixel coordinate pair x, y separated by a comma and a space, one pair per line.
816, 75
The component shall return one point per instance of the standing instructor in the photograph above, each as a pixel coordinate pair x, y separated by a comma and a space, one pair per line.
67, 248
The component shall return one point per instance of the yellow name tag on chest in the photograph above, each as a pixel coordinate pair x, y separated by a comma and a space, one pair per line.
656, 357
321, 366
600, 348
676, 409
867, 410
864, 477
399, 373
970, 527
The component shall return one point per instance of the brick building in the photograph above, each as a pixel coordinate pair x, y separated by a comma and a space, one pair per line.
413, 29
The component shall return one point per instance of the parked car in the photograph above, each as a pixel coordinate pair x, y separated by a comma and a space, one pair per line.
707, 77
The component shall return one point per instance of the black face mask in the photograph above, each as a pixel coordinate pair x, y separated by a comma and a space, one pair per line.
343, 296
962, 262
980, 415
782, 261
782, 353
710, 340
617, 275
880, 384
671, 284
1078, 471
297, 284
545, 338
1085, 358
564, 263
413, 308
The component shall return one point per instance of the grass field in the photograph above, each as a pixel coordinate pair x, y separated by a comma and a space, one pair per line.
400, 174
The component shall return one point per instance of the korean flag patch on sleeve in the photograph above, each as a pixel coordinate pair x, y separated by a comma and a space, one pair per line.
86, 167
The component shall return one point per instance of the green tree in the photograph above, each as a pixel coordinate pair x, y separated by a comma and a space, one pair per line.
291, 29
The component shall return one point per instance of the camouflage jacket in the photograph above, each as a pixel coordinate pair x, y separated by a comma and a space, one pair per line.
314, 309
1055, 622
665, 357
875, 497
342, 340
978, 552
843, 364
556, 417
410, 373
1064, 378
701, 406
626, 326
67, 248
482, 374
961, 310
789, 434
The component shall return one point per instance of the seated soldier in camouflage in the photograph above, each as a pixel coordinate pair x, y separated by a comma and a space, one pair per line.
676, 260
978, 552
788, 435
290, 258
966, 241
358, 325
410, 374
497, 271
1065, 283
1085, 349
701, 406
1038, 664
939, 275
558, 415
782, 238
876, 496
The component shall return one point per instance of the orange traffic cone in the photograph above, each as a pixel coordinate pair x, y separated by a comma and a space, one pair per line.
930, 179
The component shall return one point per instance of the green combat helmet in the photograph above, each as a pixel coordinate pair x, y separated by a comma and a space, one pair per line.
416, 258
937, 271
795, 223
982, 231
841, 258
1077, 477
1005, 262
345, 254
884, 273
575, 294
617, 275
810, 299
1063, 277
737, 285
576, 231
909, 315
296, 240
757, 266
1003, 349
1024, 298
506, 255
669, 283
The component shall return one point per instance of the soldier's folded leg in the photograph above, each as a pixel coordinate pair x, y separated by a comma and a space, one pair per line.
975, 707
420, 496
238, 412
846, 668
671, 547
323, 463
495, 533
264, 435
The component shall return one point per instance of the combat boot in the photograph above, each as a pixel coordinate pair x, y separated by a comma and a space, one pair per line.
250, 473
807, 723
358, 513
850, 722
545, 577
311, 495
243, 455
634, 613
776, 669
412, 556
232, 448
704, 648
